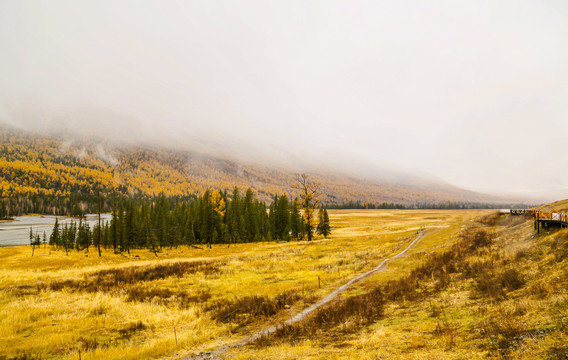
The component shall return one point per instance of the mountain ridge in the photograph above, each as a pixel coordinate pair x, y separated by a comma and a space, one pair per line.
149, 169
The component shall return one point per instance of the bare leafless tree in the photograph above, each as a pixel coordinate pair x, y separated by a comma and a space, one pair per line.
309, 199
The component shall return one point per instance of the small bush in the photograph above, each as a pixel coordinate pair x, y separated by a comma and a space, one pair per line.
511, 279
477, 268
558, 352
252, 306
90, 344
489, 286
166, 296
25, 356
491, 219
435, 310
561, 251
447, 331
131, 329
474, 238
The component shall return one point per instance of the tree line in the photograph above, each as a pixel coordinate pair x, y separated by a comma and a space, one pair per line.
216, 217
75, 204
364, 205
457, 205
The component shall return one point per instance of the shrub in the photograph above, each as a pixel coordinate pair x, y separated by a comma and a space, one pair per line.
346, 315
511, 279
252, 306
489, 286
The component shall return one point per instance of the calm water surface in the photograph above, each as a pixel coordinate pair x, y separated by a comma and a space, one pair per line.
17, 231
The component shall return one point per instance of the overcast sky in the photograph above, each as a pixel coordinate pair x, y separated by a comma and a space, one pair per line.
474, 92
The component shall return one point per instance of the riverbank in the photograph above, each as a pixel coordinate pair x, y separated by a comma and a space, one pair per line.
17, 231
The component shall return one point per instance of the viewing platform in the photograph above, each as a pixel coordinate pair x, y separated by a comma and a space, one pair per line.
542, 219
547, 219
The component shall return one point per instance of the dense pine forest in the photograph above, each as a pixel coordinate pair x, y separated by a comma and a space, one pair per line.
214, 218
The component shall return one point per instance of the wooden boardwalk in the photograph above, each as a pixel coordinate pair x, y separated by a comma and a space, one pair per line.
542, 219
546, 219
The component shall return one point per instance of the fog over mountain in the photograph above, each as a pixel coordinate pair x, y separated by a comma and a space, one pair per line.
473, 94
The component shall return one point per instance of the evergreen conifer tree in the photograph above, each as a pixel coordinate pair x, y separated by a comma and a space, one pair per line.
296, 221
54, 238
323, 224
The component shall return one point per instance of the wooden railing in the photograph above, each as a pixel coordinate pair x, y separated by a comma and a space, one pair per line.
550, 216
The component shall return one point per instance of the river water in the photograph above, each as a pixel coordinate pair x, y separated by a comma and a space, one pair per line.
17, 231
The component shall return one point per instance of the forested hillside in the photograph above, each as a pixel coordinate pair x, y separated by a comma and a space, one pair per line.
40, 173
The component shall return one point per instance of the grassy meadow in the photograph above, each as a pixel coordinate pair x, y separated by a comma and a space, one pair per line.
501, 291
189, 301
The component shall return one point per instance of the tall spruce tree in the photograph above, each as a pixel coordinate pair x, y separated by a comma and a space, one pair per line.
296, 225
272, 216
283, 218
250, 216
55, 237
323, 225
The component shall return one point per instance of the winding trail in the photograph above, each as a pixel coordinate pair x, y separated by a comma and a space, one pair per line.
301, 315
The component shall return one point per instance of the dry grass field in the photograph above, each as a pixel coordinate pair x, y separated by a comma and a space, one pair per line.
501, 291
191, 301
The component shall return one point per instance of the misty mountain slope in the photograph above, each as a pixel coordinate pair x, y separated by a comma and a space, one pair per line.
60, 165
557, 206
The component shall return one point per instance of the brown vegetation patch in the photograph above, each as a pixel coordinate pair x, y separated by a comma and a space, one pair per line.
106, 280
506, 332
90, 344
22, 290
447, 331
497, 219
492, 219
165, 296
511, 279
560, 247
134, 274
343, 316
130, 281
25, 356
131, 329
245, 309
558, 352
491, 284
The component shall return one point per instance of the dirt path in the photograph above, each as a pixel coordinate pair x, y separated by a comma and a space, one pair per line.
216, 353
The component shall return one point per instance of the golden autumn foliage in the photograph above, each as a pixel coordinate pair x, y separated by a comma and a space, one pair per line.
42, 165
217, 202
32, 164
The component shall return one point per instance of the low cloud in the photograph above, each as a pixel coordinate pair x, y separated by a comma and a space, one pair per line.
471, 93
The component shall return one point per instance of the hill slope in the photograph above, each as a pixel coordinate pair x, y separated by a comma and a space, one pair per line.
557, 206
51, 165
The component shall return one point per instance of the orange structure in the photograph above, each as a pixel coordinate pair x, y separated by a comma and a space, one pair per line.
546, 219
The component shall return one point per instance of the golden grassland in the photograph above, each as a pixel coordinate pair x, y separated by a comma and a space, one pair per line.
507, 300
45, 311
127, 306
